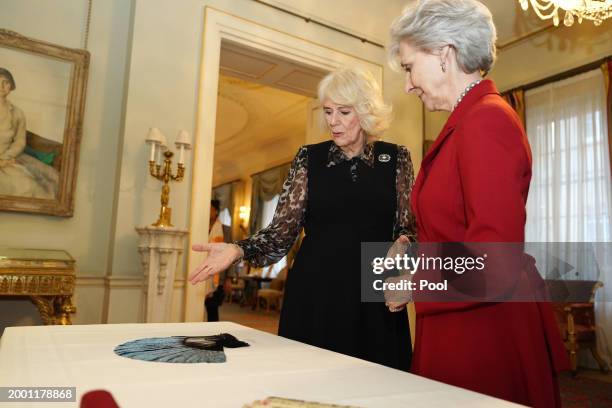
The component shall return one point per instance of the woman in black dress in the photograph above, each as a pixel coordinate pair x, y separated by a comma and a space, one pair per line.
342, 192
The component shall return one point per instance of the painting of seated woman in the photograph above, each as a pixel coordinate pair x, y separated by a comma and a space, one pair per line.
29, 163
42, 100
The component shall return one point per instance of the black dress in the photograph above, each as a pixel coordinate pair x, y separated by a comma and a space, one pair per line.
339, 203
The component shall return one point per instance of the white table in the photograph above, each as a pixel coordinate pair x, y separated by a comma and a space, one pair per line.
82, 356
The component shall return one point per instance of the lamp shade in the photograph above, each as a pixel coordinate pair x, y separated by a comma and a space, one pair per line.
155, 136
183, 139
164, 143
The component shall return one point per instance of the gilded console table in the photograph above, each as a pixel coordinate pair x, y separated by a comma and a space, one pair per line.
46, 276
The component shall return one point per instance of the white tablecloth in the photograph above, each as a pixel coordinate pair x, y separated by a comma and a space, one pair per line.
83, 357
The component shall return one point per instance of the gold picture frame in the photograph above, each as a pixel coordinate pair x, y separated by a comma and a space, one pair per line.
41, 124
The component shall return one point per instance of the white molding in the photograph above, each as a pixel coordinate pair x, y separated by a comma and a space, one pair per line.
179, 283
323, 20
123, 282
90, 280
159, 250
220, 26
119, 281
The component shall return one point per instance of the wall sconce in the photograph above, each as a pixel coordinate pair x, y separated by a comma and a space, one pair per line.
243, 215
157, 140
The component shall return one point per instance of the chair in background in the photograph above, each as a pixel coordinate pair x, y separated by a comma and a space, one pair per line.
576, 317
234, 289
274, 295
46, 150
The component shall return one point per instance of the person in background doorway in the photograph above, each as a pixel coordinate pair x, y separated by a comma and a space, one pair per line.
214, 299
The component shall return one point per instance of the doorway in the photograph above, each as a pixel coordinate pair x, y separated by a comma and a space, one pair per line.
264, 46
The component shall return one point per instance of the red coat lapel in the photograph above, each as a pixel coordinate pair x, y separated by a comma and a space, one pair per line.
485, 87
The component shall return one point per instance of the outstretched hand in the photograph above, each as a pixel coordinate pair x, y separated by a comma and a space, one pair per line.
220, 257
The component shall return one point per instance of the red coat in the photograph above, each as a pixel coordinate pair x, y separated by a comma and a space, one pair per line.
473, 187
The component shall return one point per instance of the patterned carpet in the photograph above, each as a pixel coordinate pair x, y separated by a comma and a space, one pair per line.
260, 320
583, 392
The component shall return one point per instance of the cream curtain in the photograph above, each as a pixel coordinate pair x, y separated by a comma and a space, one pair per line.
606, 70
267, 213
570, 198
230, 195
266, 185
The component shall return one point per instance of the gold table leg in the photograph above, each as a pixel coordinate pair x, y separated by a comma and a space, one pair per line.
66, 308
54, 309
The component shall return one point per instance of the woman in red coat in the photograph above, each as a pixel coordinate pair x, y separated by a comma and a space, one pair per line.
472, 187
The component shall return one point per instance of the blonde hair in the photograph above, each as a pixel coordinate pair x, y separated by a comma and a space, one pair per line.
357, 87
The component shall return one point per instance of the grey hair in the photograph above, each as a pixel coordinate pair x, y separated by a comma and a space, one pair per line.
357, 87
466, 25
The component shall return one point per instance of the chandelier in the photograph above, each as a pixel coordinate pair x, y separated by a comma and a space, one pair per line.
595, 10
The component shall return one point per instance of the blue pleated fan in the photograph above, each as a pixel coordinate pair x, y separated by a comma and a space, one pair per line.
180, 349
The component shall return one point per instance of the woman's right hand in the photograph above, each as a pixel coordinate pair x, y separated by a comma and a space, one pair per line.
220, 257
399, 247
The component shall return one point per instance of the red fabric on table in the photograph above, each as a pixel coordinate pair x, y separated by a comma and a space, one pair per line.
98, 399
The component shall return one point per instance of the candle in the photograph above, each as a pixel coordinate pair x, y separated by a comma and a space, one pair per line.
154, 137
181, 150
182, 143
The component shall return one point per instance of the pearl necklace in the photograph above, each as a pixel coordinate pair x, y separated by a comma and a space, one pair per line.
465, 91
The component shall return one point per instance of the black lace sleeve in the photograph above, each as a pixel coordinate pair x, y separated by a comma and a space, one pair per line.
270, 244
405, 223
